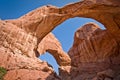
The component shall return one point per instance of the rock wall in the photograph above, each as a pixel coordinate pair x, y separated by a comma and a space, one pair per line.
95, 55
21, 67
18, 55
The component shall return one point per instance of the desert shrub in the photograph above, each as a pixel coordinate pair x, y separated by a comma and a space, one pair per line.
3, 71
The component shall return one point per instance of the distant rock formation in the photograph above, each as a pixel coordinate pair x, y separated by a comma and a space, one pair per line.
52, 45
95, 53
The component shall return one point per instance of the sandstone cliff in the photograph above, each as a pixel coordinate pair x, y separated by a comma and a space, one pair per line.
95, 53
18, 55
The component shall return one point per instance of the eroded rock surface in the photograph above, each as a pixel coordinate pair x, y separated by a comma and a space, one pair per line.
19, 42
92, 44
18, 55
95, 55
105, 11
52, 45
21, 67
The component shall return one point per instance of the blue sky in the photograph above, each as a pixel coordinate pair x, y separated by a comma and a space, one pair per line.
12, 9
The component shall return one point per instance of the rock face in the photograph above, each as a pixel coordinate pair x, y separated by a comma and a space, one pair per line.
95, 53
18, 55
52, 45
92, 44
93, 56
21, 67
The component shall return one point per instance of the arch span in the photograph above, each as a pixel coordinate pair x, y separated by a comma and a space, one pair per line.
50, 44
43, 20
64, 33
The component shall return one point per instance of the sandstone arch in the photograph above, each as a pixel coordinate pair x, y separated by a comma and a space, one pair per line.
40, 22
51, 16
43, 20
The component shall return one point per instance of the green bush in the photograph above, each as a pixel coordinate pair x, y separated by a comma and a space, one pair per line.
3, 71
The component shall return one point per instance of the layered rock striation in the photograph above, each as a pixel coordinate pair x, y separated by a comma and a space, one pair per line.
19, 55
95, 54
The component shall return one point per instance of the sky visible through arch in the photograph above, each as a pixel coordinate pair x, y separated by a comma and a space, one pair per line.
12, 9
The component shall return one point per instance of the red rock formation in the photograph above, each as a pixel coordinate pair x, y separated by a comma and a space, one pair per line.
105, 11
52, 45
21, 67
92, 44
51, 16
18, 55
95, 53
19, 42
